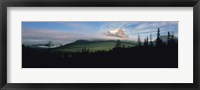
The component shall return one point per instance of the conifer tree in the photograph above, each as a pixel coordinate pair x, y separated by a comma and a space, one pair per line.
118, 44
151, 42
168, 38
158, 40
147, 41
139, 42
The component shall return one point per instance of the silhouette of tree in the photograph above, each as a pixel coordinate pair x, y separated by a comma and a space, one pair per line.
23, 46
151, 42
168, 38
147, 41
139, 44
172, 36
171, 40
168, 35
118, 44
173, 43
158, 40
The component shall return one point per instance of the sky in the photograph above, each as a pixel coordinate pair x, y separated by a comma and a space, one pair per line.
67, 32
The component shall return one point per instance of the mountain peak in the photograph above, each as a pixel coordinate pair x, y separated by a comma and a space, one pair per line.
117, 32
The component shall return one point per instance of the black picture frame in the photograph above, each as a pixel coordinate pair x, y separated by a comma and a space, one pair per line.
98, 3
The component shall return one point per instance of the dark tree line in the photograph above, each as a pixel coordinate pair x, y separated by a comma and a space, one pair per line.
158, 42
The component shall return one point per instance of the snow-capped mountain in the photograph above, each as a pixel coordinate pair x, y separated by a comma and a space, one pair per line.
117, 32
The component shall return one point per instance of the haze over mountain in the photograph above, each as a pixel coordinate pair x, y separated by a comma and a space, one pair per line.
94, 45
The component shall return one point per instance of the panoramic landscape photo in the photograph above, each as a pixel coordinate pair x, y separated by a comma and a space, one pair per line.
100, 44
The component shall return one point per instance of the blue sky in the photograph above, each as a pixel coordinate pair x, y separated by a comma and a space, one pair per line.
66, 32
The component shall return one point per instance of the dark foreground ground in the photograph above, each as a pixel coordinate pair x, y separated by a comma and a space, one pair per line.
141, 57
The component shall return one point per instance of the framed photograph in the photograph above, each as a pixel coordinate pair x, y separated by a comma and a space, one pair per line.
129, 44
